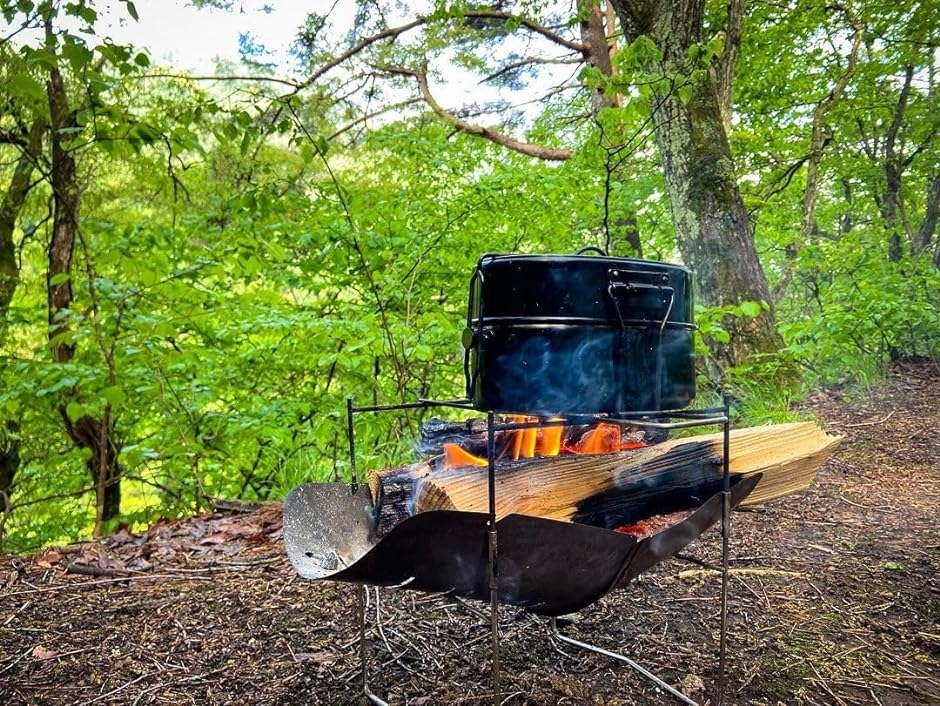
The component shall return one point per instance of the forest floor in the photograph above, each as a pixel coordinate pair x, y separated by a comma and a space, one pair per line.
834, 599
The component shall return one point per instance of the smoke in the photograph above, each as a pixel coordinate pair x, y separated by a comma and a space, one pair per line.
584, 369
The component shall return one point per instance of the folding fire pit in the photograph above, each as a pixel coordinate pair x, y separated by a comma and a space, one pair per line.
551, 342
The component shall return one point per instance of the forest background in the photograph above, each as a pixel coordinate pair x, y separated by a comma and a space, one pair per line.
197, 271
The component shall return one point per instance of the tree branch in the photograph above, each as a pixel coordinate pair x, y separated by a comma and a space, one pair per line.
374, 114
499, 138
529, 25
528, 61
395, 32
215, 77
390, 33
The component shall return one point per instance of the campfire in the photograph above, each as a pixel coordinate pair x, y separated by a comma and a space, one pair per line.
541, 438
604, 474
580, 364
590, 355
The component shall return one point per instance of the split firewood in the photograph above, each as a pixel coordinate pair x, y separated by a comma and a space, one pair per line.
393, 491
607, 489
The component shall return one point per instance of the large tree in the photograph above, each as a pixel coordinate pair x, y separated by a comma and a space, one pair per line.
56, 106
712, 226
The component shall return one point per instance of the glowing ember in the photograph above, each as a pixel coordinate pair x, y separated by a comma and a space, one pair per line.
550, 438
651, 525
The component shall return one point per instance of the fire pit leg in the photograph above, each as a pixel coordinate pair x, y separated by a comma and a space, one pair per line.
361, 589
492, 546
725, 543
621, 658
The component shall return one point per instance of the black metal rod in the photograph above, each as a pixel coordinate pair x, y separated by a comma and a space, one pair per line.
422, 403
393, 407
725, 545
493, 552
705, 416
669, 425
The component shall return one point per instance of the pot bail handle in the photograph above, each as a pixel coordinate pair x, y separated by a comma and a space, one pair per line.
628, 287
591, 248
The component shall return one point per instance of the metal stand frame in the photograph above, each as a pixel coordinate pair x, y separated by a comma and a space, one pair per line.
690, 420
686, 419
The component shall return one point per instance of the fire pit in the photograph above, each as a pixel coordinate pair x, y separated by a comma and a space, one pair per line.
552, 343
548, 567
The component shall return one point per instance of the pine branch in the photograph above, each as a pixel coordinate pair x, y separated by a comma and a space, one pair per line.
499, 138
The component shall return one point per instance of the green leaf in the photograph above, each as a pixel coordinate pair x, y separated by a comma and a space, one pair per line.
77, 55
684, 93
26, 86
114, 395
132, 10
74, 411
40, 57
750, 309
59, 278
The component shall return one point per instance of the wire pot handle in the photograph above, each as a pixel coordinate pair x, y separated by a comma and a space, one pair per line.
591, 248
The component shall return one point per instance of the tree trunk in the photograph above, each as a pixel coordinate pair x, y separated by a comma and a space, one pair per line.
928, 226
86, 432
713, 231
596, 50
98, 436
894, 170
9, 460
10, 209
728, 61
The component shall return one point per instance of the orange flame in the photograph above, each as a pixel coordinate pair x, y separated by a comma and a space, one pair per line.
545, 441
457, 457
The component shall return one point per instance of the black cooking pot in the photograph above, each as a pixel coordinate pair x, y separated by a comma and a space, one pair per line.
575, 334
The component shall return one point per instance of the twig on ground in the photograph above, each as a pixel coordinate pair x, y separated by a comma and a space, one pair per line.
707, 573
871, 424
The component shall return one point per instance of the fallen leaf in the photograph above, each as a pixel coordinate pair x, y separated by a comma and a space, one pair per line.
41, 653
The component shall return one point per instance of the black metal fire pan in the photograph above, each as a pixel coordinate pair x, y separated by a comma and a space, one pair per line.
544, 566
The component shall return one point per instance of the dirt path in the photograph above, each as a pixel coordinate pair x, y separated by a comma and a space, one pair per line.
835, 599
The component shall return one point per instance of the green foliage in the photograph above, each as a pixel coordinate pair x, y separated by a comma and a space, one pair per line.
249, 260
867, 311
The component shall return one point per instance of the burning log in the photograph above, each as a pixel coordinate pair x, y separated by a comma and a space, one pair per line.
606, 489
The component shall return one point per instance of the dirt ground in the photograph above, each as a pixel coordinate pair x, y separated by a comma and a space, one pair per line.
834, 599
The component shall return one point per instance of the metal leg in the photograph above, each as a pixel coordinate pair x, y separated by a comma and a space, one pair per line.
621, 658
493, 555
725, 544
